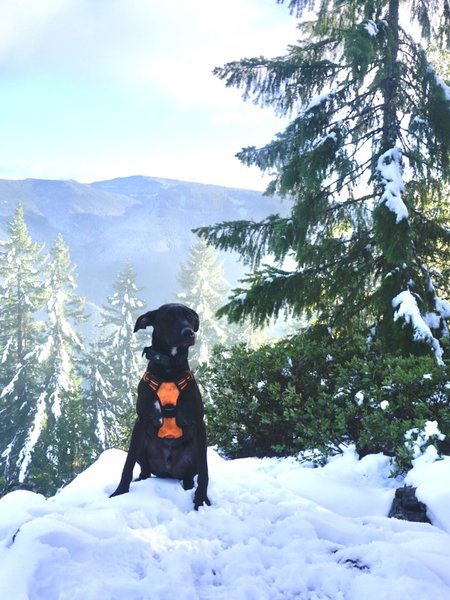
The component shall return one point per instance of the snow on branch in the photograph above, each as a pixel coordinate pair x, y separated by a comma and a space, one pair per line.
8, 389
320, 99
408, 310
445, 88
390, 170
443, 307
371, 28
440, 83
33, 436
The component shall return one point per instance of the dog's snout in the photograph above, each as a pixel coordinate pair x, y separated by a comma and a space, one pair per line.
187, 333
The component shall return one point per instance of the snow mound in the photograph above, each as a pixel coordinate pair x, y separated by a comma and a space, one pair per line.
276, 530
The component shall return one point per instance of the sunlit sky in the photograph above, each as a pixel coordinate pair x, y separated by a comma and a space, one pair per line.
96, 89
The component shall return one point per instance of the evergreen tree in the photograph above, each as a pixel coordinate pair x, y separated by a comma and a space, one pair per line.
98, 395
22, 295
121, 365
56, 447
365, 160
204, 288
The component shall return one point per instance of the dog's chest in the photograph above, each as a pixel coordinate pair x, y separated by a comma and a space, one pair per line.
170, 405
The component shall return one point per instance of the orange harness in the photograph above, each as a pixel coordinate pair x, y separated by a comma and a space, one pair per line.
168, 393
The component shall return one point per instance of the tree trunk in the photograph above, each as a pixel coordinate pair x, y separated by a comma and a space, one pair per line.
391, 81
392, 232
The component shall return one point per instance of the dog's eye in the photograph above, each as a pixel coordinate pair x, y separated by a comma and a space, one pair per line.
187, 315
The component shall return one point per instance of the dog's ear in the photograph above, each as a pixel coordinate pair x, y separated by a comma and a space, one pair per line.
145, 320
196, 322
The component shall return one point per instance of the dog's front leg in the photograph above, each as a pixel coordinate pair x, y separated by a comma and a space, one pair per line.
136, 443
200, 496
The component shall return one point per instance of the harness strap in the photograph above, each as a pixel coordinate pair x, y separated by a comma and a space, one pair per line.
168, 393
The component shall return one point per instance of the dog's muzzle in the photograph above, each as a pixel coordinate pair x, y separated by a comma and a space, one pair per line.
187, 336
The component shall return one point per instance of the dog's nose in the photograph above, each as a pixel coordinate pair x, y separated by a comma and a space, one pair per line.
187, 333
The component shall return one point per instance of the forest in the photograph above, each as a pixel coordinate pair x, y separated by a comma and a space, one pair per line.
68, 378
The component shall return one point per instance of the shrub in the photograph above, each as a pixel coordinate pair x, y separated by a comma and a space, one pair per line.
317, 392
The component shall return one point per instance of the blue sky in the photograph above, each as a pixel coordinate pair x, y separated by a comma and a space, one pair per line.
96, 89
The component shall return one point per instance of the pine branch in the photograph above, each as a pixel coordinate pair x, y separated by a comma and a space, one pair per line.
251, 240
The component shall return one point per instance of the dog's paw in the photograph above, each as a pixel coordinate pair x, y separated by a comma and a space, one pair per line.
119, 491
200, 500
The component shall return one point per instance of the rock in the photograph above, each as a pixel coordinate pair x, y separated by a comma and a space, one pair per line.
406, 506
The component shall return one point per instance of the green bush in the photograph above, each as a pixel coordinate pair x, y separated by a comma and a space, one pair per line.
317, 392
384, 396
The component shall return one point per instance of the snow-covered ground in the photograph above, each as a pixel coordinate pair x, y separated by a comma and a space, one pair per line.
275, 530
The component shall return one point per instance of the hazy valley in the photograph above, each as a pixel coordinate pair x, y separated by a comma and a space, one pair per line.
145, 220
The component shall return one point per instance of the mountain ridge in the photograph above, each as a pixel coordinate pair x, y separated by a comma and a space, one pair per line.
146, 220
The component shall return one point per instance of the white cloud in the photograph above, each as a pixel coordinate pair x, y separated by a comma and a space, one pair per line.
100, 88
142, 39
171, 47
23, 26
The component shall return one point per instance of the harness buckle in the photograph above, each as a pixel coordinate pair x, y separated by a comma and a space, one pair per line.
168, 410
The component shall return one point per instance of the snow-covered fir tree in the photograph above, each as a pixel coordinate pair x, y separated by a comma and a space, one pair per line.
56, 447
204, 290
366, 162
98, 397
120, 368
22, 295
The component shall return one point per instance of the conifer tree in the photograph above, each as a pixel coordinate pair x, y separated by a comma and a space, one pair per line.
56, 447
122, 369
22, 295
204, 289
365, 160
98, 398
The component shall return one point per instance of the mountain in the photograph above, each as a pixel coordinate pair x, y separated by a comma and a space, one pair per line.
146, 220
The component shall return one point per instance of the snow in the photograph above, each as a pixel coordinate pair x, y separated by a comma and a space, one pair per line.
7, 349
371, 27
443, 306
390, 169
445, 88
418, 439
407, 308
329, 136
319, 99
277, 529
32, 438
359, 398
8, 389
433, 320
45, 350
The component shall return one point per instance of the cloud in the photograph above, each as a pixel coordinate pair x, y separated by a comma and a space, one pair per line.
94, 88
151, 48
23, 27
139, 41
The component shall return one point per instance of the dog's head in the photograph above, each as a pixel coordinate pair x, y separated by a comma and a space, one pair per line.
174, 326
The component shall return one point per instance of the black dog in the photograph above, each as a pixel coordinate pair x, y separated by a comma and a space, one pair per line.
169, 436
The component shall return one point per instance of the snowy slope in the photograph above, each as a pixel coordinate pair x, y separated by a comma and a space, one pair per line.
276, 530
